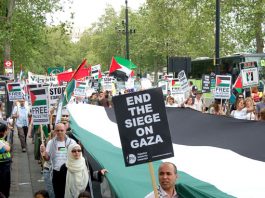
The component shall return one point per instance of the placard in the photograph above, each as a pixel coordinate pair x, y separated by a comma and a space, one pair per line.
40, 105
14, 91
206, 83
223, 87
143, 126
55, 94
183, 81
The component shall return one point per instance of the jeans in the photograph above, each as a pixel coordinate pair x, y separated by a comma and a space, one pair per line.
48, 182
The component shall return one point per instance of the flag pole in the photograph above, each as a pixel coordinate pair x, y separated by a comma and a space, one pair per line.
151, 170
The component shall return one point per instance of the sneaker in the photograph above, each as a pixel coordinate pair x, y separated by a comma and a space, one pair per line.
24, 150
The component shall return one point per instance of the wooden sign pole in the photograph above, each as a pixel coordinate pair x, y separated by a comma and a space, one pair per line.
151, 170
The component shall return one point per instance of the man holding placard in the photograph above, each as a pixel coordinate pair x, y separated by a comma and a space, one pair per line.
167, 174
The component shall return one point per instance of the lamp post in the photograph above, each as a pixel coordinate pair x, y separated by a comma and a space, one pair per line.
127, 30
217, 37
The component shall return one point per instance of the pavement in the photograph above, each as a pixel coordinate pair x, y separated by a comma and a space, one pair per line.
26, 177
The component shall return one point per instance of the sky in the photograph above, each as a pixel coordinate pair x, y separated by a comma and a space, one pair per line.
88, 11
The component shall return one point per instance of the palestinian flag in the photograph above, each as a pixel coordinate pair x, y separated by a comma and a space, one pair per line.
80, 85
68, 92
12, 87
223, 81
212, 153
121, 68
238, 84
39, 96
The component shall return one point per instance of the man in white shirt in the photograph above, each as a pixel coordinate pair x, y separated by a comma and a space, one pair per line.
167, 174
21, 114
56, 152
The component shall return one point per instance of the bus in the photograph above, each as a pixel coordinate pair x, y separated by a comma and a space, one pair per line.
228, 65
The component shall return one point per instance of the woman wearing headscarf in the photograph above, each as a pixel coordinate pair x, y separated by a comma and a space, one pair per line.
77, 172
77, 178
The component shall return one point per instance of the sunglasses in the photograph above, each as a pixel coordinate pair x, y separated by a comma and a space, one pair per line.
75, 151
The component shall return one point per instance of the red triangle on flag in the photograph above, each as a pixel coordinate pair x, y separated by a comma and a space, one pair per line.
33, 97
238, 84
132, 74
218, 81
114, 65
173, 82
99, 74
9, 87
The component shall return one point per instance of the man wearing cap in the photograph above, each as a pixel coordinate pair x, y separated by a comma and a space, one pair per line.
21, 114
5, 161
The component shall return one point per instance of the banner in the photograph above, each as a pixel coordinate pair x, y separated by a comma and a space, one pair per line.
14, 91
40, 107
36, 79
143, 126
55, 70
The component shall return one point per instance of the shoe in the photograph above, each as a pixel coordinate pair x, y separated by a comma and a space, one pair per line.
24, 150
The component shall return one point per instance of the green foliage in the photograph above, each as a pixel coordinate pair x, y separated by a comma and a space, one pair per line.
164, 28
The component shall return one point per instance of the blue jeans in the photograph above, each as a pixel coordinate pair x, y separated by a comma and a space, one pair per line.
48, 182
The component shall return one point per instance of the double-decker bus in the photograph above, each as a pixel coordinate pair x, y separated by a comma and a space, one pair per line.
228, 65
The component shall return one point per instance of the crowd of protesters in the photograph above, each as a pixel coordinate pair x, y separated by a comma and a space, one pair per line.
66, 172
247, 108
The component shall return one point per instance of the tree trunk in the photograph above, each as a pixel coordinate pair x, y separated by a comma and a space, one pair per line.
258, 29
9, 14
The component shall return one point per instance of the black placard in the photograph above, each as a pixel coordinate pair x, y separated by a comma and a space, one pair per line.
143, 126
206, 83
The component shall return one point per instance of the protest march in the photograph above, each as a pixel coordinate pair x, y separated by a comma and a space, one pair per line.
116, 125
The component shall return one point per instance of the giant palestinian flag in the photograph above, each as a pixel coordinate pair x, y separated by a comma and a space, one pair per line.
216, 156
40, 108
14, 91
121, 68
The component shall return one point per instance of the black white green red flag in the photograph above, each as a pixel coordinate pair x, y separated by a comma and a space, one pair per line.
211, 153
121, 67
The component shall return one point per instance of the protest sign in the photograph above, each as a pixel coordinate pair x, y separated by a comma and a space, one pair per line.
80, 89
107, 83
250, 74
164, 86
14, 91
183, 81
40, 108
223, 87
55, 94
143, 126
206, 83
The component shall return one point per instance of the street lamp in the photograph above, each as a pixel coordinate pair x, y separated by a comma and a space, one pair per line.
217, 37
125, 30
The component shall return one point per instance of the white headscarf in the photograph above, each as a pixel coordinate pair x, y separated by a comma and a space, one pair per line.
77, 173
